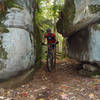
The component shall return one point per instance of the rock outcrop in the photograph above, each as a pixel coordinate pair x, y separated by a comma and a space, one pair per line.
80, 22
16, 37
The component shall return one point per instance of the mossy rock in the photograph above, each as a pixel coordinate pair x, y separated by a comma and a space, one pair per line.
89, 73
8, 4
3, 30
94, 8
2, 16
67, 16
68, 13
12, 3
96, 26
3, 53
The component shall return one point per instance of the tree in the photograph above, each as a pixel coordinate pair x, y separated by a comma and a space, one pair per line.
47, 16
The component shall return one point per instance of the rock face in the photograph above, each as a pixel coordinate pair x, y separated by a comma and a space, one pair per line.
81, 24
16, 38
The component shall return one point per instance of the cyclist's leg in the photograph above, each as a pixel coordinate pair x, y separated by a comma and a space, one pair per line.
55, 54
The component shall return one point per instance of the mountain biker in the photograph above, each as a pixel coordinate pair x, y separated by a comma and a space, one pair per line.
51, 39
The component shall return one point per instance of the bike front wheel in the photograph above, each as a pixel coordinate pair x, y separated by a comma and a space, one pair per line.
50, 62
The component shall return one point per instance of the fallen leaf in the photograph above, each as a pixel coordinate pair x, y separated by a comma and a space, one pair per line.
24, 94
99, 81
64, 87
41, 99
91, 95
64, 96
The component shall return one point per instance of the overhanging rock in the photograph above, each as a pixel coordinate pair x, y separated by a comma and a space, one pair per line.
80, 22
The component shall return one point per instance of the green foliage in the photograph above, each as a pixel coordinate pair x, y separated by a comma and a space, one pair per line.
48, 13
47, 16
3, 53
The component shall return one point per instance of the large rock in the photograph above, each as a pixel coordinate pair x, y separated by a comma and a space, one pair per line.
80, 23
16, 38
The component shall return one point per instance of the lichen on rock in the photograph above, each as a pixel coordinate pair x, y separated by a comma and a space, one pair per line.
3, 53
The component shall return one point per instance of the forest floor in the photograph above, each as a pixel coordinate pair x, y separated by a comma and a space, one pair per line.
63, 83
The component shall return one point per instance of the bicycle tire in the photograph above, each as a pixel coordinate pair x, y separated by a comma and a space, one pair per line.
50, 61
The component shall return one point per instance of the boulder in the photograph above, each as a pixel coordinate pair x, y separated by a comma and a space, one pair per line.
16, 38
89, 67
80, 22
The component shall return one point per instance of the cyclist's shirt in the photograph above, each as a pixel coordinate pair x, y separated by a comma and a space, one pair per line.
51, 37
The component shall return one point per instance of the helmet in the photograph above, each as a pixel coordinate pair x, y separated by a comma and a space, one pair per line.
48, 30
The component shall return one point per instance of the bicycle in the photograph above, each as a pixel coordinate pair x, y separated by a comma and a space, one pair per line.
51, 62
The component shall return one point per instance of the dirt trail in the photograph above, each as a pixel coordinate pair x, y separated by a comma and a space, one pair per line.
63, 83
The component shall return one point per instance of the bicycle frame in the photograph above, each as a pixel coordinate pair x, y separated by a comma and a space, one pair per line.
50, 57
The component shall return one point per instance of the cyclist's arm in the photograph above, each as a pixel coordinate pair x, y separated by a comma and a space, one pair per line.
44, 40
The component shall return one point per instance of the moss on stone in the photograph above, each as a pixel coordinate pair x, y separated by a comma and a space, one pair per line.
12, 3
38, 40
3, 53
1, 65
68, 14
94, 8
38, 45
18, 6
96, 26
3, 30
2, 16
8, 4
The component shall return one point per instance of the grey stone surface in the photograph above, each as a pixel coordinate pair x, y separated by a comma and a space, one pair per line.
80, 22
85, 46
17, 45
78, 45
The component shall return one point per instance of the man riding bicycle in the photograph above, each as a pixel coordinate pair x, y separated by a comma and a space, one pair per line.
51, 39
